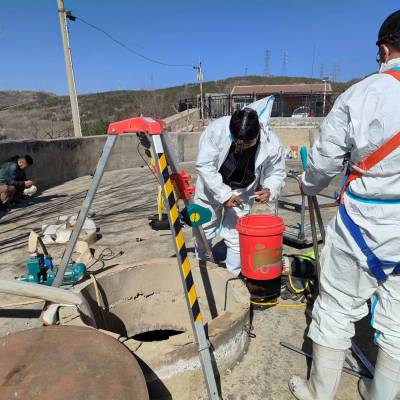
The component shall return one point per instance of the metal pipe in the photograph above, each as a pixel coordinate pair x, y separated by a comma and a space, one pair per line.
314, 236
319, 218
48, 293
85, 209
323, 106
302, 217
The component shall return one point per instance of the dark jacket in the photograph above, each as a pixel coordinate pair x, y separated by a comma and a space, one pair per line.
12, 175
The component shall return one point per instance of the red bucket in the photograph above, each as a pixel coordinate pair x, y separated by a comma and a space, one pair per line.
261, 238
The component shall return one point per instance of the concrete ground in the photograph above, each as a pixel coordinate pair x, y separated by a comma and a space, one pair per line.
124, 201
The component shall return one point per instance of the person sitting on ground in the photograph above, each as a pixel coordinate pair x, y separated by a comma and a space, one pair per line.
13, 181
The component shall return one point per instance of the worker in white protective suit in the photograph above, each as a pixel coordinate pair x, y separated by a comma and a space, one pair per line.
239, 160
361, 256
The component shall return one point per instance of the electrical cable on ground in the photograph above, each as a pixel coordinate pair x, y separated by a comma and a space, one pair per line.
297, 291
278, 304
105, 255
128, 48
147, 164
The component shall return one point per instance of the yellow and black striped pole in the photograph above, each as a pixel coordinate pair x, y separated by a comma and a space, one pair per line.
171, 204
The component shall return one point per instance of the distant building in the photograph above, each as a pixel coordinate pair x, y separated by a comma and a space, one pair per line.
297, 98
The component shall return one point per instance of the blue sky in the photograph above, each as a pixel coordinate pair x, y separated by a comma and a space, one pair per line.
228, 36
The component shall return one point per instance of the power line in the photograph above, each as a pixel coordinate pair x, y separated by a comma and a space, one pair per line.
126, 47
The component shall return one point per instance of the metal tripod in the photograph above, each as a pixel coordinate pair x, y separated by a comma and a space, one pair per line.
165, 162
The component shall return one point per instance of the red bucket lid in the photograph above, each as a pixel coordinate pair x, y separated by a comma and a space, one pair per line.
261, 225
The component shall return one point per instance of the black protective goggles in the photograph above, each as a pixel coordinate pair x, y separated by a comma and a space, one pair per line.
241, 145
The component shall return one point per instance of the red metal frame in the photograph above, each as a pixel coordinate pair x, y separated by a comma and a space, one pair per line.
182, 181
146, 125
150, 126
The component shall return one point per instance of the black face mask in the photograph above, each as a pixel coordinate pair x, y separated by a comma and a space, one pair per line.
238, 170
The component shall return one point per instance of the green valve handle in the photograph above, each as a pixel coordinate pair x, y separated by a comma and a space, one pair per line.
195, 215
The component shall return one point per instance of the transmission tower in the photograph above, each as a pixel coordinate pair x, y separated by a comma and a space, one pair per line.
313, 60
267, 60
151, 81
321, 70
335, 72
285, 61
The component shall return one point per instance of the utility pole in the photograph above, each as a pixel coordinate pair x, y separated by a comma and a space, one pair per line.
68, 65
200, 79
325, 79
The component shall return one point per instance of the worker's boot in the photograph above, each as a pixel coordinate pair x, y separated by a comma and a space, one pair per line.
326, 370
386, 382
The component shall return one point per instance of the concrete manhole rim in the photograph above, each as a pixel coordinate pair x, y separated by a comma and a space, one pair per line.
228, 324
236, 284
240, 291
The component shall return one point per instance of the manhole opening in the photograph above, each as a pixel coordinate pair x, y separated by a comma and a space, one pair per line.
156, 335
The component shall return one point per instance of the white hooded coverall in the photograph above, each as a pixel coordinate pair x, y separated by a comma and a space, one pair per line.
212, 193
362, 119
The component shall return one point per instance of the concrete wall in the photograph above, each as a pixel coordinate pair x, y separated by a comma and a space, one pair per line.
296, 131
186, 144
185, 121
296, 137
295, 123
60, 160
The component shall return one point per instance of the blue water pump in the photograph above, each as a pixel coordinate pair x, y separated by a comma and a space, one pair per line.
41, 270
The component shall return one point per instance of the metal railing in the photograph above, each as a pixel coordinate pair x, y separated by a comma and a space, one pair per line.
284, 106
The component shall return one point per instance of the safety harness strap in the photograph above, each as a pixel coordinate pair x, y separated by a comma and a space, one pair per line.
378, 155
394, 72
374, 263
